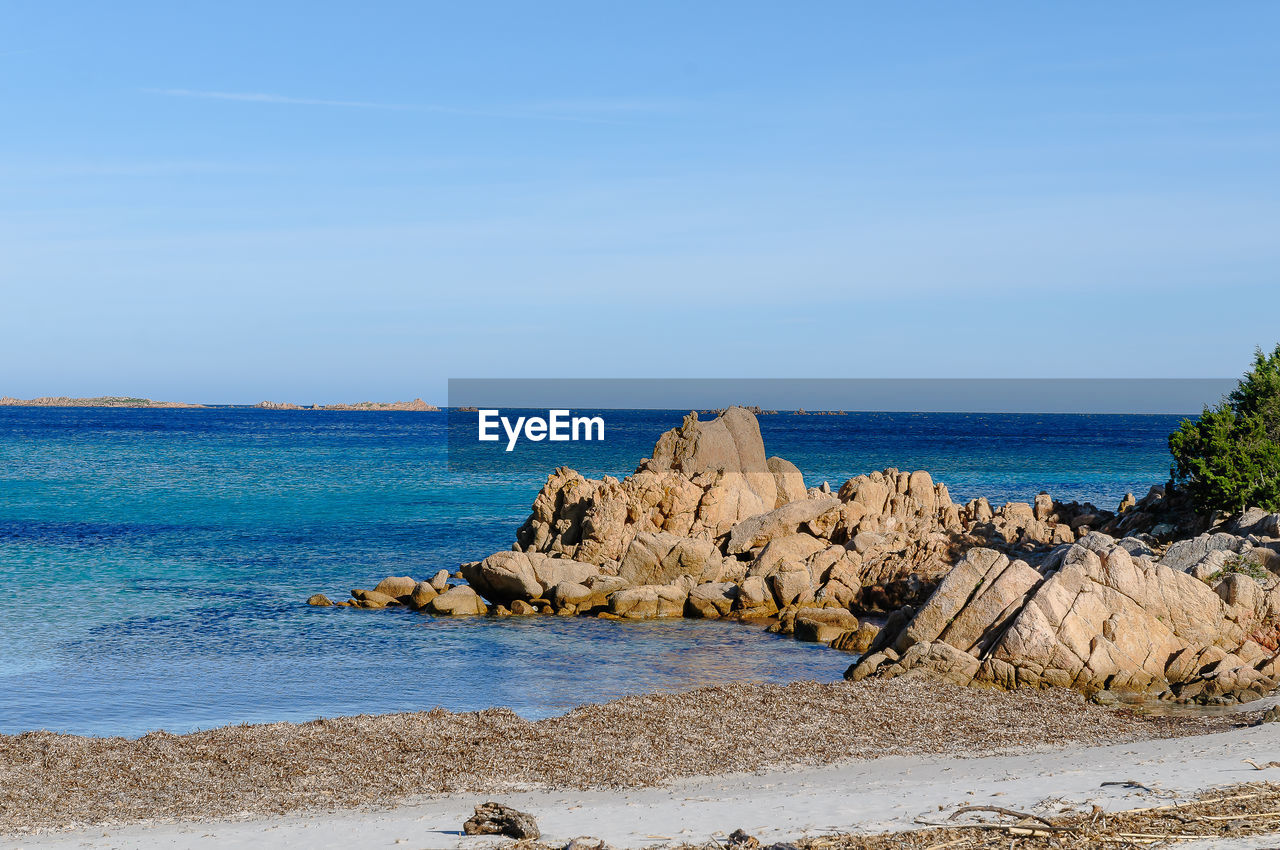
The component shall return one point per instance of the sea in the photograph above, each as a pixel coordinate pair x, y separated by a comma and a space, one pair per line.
154, 563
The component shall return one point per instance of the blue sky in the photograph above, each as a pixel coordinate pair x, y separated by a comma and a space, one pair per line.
331, 201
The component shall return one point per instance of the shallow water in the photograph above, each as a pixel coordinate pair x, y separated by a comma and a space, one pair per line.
155, 561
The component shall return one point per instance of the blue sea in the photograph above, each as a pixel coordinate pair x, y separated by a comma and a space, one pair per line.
155, 563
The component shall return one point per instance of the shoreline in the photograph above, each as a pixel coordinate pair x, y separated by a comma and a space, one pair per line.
53, 782
893, 794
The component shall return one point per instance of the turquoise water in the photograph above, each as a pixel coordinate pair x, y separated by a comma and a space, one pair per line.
154, 562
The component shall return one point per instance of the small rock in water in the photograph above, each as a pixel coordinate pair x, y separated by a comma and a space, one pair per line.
320, 601
395, 586
496, 819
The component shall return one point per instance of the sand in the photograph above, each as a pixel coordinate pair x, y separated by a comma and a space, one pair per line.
50, 781
890, 793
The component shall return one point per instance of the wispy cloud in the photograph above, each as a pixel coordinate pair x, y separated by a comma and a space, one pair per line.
549, 111
609, 105
262, 97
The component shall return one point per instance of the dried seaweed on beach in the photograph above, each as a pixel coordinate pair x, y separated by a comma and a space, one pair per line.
1223, 815
49, 780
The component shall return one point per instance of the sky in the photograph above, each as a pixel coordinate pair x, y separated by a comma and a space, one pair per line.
335, 201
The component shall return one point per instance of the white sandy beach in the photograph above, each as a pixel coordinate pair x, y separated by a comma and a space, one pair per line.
868, 796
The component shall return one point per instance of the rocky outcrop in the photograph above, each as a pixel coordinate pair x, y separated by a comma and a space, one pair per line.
702, 479
1092, 621
710, 508
1026, 594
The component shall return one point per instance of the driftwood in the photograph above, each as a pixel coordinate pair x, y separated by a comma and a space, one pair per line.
1257, 766
1022, 816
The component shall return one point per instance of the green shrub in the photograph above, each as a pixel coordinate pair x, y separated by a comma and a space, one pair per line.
1245, 566
1229, 458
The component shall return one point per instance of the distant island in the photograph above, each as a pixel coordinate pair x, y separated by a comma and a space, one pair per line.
416, 405
126, 401
98, 401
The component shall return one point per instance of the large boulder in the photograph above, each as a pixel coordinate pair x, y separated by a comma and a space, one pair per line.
785, 553
791, 585
423, 592
823, 625
755, 598
789, 479
1108, 621
1185, 553
662, 558
457, 601
550, 572
503, 577
397, 587
712, 600
729, 445
1257, 522
574, 597
648, 602
756, 532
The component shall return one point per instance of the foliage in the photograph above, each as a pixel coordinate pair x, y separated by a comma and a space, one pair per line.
1245, 566
1229, 458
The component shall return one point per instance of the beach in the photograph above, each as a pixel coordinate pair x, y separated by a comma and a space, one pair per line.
920, 753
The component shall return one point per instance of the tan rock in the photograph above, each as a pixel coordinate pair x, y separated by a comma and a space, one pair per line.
755, 598
662, 557
789, 480
423, 592
573, 597
857, 640
823, 625
711, 600
396, 586
550, 572
791, 587
458, 601
373, 599
1106, 621
648, 602
755, 532
503, 577
790, 552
